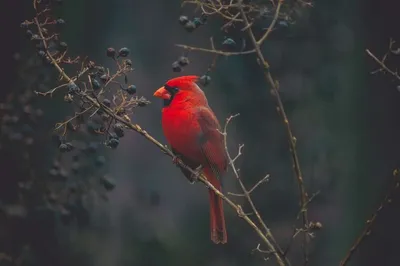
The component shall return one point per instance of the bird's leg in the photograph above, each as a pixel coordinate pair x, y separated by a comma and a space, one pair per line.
194, 177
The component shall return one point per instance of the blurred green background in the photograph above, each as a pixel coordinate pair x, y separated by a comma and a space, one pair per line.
344, 120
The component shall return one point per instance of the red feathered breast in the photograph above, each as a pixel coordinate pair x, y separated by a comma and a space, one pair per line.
194, 133
182, 132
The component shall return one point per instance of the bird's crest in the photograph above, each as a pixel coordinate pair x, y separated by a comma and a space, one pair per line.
181, 82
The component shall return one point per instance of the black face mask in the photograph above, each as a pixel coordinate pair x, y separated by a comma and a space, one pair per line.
172, 91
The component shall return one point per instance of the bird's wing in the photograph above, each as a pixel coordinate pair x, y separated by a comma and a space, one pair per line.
211, 141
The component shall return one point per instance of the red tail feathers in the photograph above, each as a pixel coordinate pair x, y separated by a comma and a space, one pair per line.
217, 219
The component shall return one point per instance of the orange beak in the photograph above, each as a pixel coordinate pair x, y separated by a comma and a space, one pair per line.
162, 93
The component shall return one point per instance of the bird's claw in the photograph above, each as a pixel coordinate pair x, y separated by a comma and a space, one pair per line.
194, 177
175, 160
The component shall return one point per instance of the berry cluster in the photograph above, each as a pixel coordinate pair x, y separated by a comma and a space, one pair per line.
191, 25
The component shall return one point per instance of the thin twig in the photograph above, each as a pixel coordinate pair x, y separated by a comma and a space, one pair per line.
383, 65
296, 230
247, 193
213, 51
371, 221
271, 26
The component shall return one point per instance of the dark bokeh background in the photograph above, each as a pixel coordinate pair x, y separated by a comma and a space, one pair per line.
345, 121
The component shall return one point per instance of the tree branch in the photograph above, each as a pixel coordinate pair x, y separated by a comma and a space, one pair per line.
213, 51
292, 142
371, 221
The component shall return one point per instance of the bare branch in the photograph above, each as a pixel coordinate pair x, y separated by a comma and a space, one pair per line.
263, 180
272, 246
213, 51
371, 221
271, 26
382, 64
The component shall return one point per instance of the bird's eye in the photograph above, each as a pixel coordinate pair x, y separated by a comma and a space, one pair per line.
171, 90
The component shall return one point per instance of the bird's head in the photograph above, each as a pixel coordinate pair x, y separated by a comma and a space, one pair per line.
181, 90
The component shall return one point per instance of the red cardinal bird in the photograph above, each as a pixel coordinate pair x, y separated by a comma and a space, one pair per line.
192, 131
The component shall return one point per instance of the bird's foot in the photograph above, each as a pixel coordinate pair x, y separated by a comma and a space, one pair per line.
194, 177
175, 160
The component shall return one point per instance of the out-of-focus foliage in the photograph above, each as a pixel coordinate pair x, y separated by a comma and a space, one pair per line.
48, 182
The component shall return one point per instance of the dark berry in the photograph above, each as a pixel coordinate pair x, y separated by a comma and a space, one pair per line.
264, 13
112, 135
36, 38
190, 26
183, 20
56, 164
104, 116
142, 104
70, 146
75, 158
107, 102
131, 89
96, 84
41, 53
44, 2
176, 67
108, 183
104, 78
66, 147
75, 167
100, 70
205, 80
283, 23
119, 129
92, 147
111, 52
53, 172
112, 143
39, 112
123, 52
229, 42
183, 61
197, 22
40, 46
73, 88
29, 34
100, 160
62, 46
60, 21
63, 174
24, 25
128, 62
